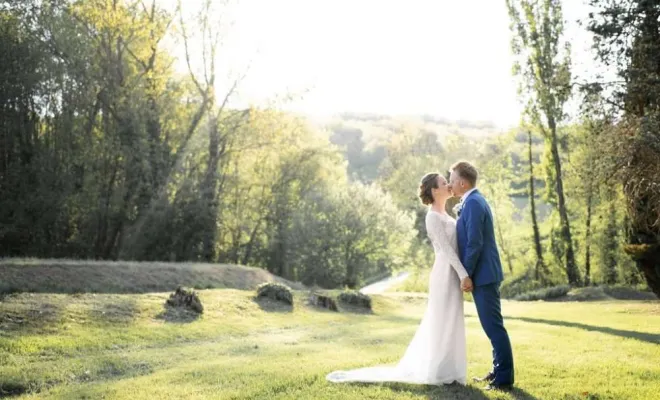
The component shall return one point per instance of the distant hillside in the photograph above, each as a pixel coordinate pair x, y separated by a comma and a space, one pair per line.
364, 138
66, 276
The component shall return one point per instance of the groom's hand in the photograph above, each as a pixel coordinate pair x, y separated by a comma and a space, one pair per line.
466, 284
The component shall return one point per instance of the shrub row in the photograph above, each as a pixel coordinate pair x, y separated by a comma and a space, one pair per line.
282, 293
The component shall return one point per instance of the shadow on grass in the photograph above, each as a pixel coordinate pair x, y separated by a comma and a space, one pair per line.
642, 336
270, 305
455, 391
353, 309
177, 315
520, 394
116, 310
23, 316
13, 389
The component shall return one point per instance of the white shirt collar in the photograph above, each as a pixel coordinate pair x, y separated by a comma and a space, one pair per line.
469, 192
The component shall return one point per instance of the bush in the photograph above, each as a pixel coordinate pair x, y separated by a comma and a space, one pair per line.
518, 286
356, 299
275, 291
549, 293
323, 301
621, 292
417, 282
185, 298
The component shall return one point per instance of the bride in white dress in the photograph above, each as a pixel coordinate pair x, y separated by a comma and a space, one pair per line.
437, 353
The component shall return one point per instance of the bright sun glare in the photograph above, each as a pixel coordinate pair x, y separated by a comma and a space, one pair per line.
446, 58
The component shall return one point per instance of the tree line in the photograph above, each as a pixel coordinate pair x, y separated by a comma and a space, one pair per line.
107, 153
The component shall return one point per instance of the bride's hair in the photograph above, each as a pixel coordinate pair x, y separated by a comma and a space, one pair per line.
426, 186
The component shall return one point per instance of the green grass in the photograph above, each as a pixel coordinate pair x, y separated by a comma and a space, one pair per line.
417, 282
126, 347
88, 276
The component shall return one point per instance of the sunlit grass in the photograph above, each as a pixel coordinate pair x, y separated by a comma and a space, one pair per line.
93, 276
125, 347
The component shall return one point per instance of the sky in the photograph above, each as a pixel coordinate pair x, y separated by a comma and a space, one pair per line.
447, 58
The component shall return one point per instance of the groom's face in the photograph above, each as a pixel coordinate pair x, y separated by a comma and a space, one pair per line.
456, 184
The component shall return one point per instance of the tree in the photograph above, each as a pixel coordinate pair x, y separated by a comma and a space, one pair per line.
346, 233
584, 180
540, 269
544, 67
627, 38
221, 125
495, 168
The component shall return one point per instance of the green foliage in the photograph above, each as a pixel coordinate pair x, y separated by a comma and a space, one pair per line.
107, 153
543, 64
514, 287
323, 301
275, 291
549, 293
342, 235
355, 299
626, 39
135, 162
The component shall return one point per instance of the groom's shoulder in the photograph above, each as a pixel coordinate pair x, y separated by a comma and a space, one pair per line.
476, 198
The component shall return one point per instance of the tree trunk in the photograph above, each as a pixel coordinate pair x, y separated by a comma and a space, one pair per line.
587, 239
540, 269
250, 244
504, 249
210, 186
571, 267
351, 279
650, 267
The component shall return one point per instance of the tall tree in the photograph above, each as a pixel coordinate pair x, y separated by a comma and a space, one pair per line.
627, 37
221, 124
544, 66
540, 269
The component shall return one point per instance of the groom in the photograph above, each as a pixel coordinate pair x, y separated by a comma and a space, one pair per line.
478, 253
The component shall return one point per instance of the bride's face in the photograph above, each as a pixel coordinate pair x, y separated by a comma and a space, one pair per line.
442, 191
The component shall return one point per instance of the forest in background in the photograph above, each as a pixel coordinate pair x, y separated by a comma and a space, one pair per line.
107, 153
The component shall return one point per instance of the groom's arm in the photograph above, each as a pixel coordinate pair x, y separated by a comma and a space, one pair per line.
474, 215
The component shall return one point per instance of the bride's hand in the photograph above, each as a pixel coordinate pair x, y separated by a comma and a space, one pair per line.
466, 284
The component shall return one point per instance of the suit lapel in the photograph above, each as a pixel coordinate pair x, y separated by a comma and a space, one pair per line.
476, 191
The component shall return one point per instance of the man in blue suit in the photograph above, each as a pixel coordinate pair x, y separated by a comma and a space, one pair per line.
478, 253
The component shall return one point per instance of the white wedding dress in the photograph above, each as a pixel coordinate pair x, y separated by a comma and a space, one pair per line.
437, 354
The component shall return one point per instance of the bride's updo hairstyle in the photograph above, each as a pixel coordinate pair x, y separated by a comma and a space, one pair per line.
426, 186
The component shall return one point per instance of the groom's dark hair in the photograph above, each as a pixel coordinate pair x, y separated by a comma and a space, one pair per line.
466, 171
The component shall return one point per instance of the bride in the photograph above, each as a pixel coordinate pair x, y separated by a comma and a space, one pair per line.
437, 353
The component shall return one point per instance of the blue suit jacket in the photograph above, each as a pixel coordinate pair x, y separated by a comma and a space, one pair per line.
476, 241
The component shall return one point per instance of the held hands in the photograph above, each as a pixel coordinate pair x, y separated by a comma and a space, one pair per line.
466, 284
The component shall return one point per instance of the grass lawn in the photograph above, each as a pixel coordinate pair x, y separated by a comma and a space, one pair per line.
90, 276
123, 346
